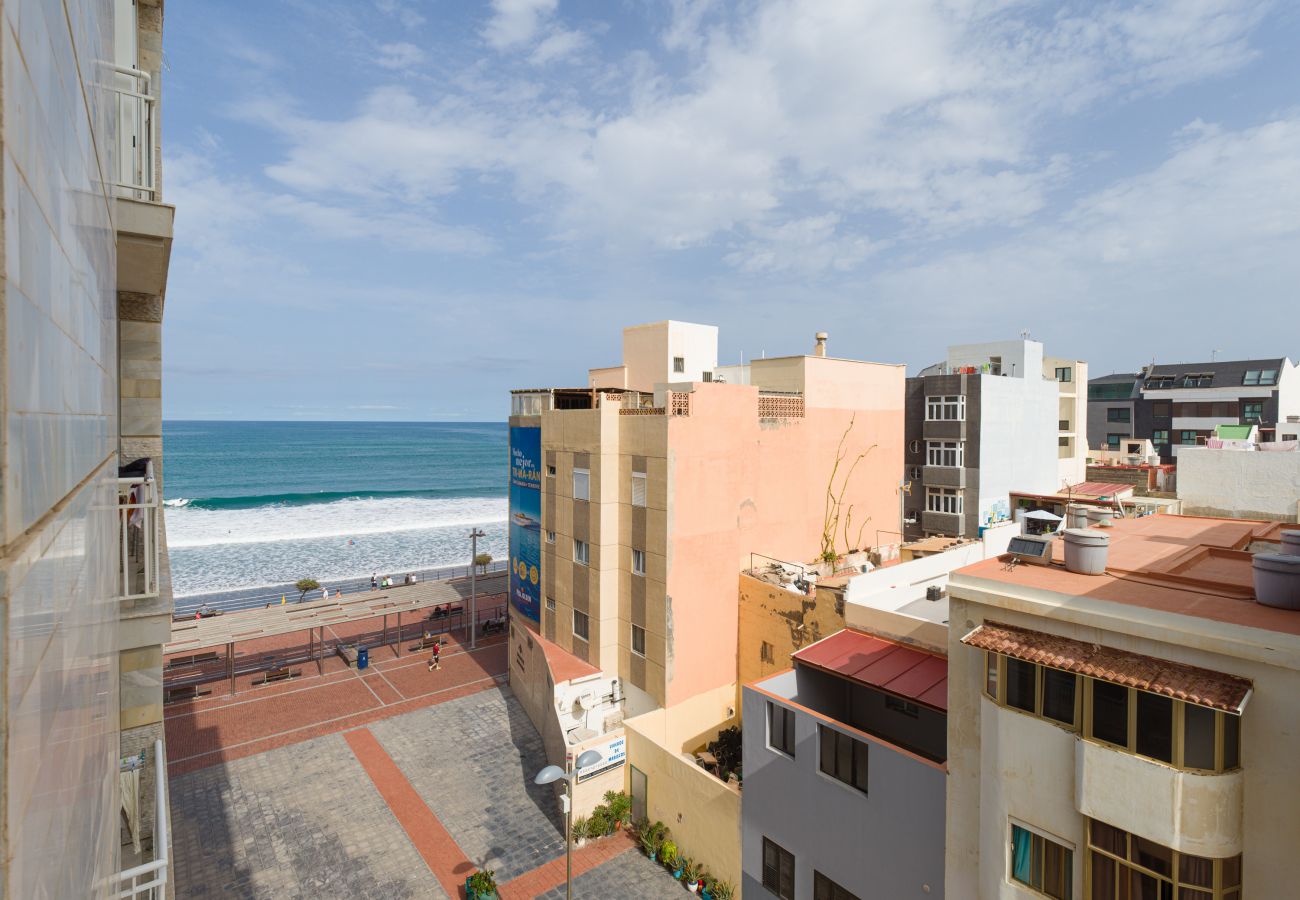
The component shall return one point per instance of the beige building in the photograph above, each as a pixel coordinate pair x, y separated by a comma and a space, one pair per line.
83, 578
1071, 377
1124, 734
656, 486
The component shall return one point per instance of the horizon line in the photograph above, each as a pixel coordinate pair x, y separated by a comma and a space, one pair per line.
352, 421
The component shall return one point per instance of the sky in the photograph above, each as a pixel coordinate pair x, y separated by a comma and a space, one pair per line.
400, 210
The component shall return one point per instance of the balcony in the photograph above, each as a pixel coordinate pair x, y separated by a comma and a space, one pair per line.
943, 430
944, 476
1191, 812
953, 524
139, 510
144, 224
128, 884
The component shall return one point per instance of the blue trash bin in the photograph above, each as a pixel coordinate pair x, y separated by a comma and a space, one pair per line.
363, 658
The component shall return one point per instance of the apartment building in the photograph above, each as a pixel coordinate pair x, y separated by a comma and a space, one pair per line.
1182, 404
1125, 733
650, 495
992, 417
83, 576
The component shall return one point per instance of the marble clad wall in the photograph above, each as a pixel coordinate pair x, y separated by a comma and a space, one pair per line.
59, 423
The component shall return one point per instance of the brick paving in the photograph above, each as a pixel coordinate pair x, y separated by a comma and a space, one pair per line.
626, 875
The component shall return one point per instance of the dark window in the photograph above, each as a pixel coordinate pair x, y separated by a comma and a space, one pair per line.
1160, 437
1110, 713
1231, 741
1252, 411
1162, 409
1021, 684
1064, 374
825, 889
708, 377
899, 705
581, 625
1112, 441
638, 640
679, 364
1110, 391
1155, 726
1251, 377
780, 728
778, 870
1198, 737
843, 757
1268, 376
1058, 695
1118, 414
1062, 442
1041, 864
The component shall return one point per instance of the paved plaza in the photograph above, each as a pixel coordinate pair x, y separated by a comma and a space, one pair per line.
402, 806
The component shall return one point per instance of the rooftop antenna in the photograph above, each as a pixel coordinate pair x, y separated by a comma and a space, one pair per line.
1214, 354
1024, 334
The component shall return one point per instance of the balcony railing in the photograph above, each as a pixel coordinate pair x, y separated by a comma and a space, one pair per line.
128, 884
136, 132
139, 513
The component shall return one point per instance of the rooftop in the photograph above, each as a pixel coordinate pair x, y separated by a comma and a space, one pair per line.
1189, 565
1228, 373
903, 671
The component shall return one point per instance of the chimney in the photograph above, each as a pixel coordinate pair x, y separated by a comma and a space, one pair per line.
820, 349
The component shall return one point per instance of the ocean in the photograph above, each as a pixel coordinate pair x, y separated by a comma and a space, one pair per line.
257, 504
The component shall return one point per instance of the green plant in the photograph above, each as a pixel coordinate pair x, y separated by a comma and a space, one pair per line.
834, 506
620, 806
653, 837
579, 828
692, 871
599, 823
722, 890
304, 585
726, 750
483, 882
483, 560
668, 853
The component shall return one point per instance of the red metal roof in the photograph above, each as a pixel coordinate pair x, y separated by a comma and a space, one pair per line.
1099, 489
896, 668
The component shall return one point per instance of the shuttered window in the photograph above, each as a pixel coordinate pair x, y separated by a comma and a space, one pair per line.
638, 488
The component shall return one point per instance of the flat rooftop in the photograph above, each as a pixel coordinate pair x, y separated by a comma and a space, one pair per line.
1190, 565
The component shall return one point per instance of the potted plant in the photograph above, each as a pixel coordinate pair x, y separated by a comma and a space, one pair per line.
482, 885
652, 838
598, 823
580, 830
691, 876
722, 890
595, 828
669, 857
620, 807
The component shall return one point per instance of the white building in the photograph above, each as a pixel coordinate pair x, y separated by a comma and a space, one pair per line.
1241, 484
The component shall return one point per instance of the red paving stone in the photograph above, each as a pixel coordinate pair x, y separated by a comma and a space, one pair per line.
441, 854
551, 875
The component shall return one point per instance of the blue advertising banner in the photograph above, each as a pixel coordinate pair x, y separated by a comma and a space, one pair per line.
526, 521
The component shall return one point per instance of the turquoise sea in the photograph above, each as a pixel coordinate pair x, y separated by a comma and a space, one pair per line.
253, 504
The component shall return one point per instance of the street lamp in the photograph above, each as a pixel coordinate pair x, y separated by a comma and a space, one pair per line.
474, 535
552, 774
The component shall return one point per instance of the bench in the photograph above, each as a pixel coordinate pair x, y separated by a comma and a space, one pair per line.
279, 675
184, 692
348, 652
192, 660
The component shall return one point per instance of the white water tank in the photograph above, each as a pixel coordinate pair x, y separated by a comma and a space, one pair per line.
1277, 580
1086, 550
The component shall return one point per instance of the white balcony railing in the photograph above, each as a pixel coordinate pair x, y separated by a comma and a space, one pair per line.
128, 884
136, 124
139, 513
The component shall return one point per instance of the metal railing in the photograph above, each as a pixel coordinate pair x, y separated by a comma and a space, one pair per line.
126, 884
136, 125
139, 511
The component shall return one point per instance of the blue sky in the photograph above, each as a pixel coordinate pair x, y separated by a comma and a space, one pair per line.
392, 209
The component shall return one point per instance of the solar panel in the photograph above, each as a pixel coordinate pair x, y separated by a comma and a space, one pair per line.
1027, 546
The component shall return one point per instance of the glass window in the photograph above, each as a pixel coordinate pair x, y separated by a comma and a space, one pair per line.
778, 870
1162, 409
638, 562
550, 604
1198, 737
780, 728
638, 489
1112, 441
1022, 684
1042, 864
1155, 726
1065, 374
1252, 377
1058, 695
581, 484
825, 889
550, 471
581, 625
1252, 411
1268, 376
843, 757
1118, 414
991, 674
945, 453
950, 408
581, 552
1231, 741
1160, 437
1130, 867
1110, 713
638, 640
1187, 437
679, 364
944, 500
550, 537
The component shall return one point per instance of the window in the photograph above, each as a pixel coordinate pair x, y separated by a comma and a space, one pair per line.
1251, 377
899, 705
679, 364
1162, 409
1119, 391
1160, 437
1065, 374
1260, 376
581, 484
780, 729
843, 757
638, 562
550, 537
638, 488
1198, 380
767, 652
1041, 864
1118, 414
1112, 441
1063, 441
945, 453
581, 552
1152, 725
550, 471
946, 409
550, 604
1123, 865
778, 870
638, 640
944, 500
1187, 437
825, 889
1160, 382
581, 625
1253, 410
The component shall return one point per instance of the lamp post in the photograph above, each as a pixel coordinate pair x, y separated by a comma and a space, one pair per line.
552, 774
474, 535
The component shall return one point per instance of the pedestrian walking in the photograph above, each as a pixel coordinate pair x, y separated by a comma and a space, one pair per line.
435, 659
374, 581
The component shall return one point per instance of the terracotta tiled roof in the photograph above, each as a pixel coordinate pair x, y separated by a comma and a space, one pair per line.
1159, 676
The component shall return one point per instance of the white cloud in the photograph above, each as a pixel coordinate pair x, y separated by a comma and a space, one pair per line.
399, 56
516, 22
559, 44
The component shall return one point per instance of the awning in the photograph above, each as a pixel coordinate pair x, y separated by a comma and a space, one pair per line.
894, 668
1042, 515
1180, 681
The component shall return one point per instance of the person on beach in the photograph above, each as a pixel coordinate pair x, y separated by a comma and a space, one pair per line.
374, 581
435, 659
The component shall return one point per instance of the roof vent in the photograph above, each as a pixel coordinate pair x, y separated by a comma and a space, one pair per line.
1291, 543
1277, 580
1086, 550
820, 349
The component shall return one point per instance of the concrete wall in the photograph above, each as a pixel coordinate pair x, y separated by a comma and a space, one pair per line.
648, 352
1239, 484
1020, 359
886, 843
58, 415
1288, 400
1017, 448
775, 622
